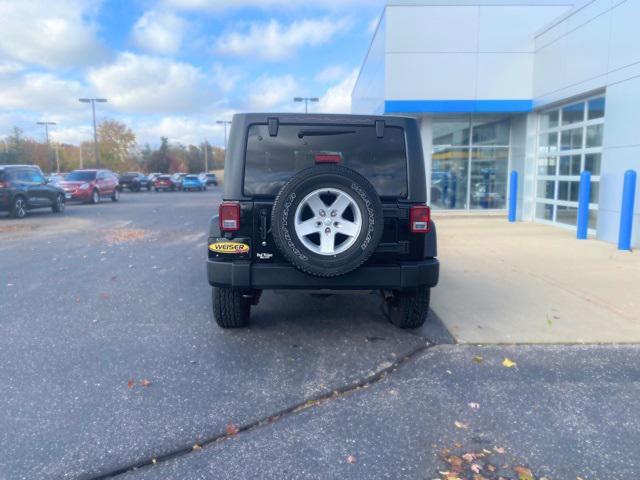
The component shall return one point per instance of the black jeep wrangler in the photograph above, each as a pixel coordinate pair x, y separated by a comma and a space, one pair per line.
323, 202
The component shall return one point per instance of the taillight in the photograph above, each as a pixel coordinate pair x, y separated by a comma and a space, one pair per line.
419, 218
4, 184
229, 216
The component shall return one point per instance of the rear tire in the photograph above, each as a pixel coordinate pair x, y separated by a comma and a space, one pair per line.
230, 309
115, 196
409, 308
95, 197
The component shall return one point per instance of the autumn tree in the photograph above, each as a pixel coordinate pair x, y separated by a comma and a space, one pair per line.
116, 141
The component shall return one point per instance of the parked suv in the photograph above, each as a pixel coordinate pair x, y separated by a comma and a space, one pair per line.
23, 188
323, 202
134, 181
90, 186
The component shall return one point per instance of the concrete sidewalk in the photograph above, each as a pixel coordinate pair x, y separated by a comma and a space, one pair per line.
533, 283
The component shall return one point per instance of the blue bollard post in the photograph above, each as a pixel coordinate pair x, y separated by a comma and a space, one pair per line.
583, 205
513, 196
626, 212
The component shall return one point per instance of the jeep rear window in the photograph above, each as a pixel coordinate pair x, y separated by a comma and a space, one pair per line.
271, 161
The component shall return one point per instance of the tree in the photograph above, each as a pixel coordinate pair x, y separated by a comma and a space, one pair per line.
159, 160
115, 142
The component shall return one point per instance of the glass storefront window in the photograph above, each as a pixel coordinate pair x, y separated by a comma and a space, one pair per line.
549, 120
449, 178
547, 165
451, 132
580, 133
470, 160
567, 215
573, 113
546, 189
571, 139
570, 164
594, 135
592, 163
596, 108
548, 143
489, 177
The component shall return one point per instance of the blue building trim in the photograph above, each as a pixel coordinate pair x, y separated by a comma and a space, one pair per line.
457, 106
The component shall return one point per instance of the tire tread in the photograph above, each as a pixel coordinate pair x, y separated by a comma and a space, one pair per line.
230, 309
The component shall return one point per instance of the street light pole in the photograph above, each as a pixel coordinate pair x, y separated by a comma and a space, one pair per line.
225, 123
46, 133
306, 101
93, 101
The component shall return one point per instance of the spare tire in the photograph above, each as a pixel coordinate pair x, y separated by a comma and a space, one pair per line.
327, 220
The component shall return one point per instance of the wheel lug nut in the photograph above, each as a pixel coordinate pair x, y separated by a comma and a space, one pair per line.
327, 230
333, 213
336, 224
322, 213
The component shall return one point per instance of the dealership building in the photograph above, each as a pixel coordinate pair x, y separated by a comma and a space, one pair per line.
546, 88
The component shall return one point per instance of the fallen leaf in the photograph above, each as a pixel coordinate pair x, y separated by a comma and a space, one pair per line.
130, 383
351, 459
498, 449
477, 359
196, 447
145, 382
474, 405
460, 424
153, 460
475, 468
232, 429
490, 467
523, 473
469, 457
509, 363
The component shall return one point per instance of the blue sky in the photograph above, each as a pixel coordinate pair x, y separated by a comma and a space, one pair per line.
174, 67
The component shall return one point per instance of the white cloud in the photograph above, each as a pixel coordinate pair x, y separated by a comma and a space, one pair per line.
267, 92
180, 129
39, 92
52, 34
274, 41
337, 99
332, 73
144, 84
226, 77
159, 32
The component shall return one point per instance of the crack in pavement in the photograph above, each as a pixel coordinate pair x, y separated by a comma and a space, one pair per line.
377, 376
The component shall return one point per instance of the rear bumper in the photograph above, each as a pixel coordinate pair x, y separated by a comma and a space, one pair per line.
248, 275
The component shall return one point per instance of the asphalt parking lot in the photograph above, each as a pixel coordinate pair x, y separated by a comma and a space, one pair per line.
111, 365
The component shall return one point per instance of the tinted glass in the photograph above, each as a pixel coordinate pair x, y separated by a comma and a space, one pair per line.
449, 176
489, 177
594, 136
549, 120
573, 113
191, 177
570, 165
491, 132
544, 211
571, 139
596, 108
271, 161
592, 163
451, 132
81, 176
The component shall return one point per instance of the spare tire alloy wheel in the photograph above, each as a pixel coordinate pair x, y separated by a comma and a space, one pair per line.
327, 220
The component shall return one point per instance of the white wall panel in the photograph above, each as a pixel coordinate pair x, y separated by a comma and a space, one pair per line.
511, 28
505, 75
622, 115
432, 29
550, 67
587, 51
437, 76
625, 35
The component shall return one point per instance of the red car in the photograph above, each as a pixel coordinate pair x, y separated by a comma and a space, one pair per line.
90, 186
164, 182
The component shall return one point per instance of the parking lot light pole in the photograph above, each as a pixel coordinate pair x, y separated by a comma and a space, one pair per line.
225, 123
46, 133
306, 101
93, 101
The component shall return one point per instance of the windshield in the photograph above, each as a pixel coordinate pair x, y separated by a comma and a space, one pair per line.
271, 161
191, 177
80, 176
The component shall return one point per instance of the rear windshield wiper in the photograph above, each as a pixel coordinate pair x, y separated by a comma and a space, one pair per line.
319, 133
